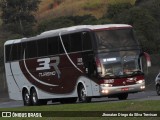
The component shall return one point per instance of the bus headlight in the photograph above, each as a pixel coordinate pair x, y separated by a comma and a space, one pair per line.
105, 91
142, 87
140, 81
106, 85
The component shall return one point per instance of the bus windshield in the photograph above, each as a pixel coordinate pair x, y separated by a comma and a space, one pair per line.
115, 39
118, 52
120, 63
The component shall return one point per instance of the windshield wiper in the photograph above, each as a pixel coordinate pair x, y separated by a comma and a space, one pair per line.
137, 72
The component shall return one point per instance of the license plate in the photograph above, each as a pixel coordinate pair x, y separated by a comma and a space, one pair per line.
124, 89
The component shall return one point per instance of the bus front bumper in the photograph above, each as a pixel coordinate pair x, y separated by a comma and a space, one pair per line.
108, 90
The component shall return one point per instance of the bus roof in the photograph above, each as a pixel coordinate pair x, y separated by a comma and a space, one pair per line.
67, 30
82, 27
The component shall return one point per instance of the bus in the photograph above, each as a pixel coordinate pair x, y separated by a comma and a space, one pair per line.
75, 63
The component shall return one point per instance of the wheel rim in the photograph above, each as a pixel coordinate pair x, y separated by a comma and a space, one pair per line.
34, 97
83, 93
26, 97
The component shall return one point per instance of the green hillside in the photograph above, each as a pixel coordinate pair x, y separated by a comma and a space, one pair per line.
56, 8
53, 9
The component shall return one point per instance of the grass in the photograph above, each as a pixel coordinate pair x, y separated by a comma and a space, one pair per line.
94, 107
97, 106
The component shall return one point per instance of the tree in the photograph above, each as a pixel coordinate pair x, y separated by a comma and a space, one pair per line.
17, 15
144, 17
146, 26
114, 10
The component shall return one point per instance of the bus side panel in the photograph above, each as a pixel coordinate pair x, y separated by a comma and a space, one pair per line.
84, 80
91, 86
95, 88
46, 95
13, 87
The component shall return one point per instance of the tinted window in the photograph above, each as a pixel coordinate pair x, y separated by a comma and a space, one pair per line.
118, 38
53, 46
24, 48
66, 42
87, 44
31, 49
76, 42
42, 47
14, 52
19, 51
7, 51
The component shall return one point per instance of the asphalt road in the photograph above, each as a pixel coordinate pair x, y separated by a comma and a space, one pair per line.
146, 95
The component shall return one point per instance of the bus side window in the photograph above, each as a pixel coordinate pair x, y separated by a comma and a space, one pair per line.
88, 57
19, 51
14, 52
42, 47
23, 49
66, 43
8, 53
76, 42
31, 49
86, 40
53, 48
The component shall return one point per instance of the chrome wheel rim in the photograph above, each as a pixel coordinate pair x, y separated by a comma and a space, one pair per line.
34, 97
26, 97
83, 94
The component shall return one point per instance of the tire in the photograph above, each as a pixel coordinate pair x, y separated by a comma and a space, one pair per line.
82, 95
158, 89
68, 100
123, 96
26, 98
34, 99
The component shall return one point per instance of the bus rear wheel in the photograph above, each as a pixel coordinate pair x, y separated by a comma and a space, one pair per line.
82, 94
123, 96
34, 99
26, 98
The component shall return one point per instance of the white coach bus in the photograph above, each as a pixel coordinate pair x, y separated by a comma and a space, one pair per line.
76, 62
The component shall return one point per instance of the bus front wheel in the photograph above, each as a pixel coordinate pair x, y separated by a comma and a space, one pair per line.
123, 96
82, 94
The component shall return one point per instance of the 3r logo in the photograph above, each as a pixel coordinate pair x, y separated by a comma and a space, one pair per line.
47, 63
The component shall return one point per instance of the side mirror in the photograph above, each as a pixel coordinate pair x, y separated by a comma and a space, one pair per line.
145, 62
148, 59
